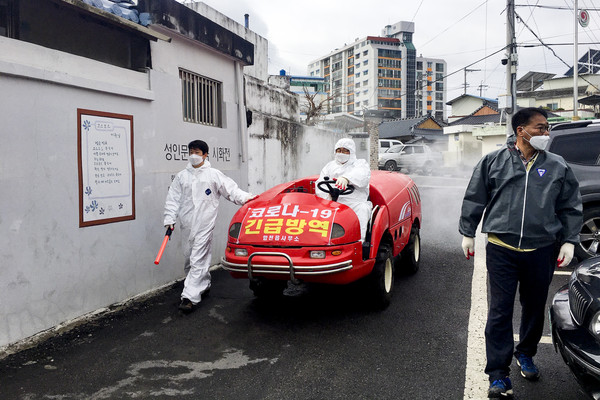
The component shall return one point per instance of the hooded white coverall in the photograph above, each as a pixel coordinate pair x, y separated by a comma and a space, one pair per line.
358, 173
194, 198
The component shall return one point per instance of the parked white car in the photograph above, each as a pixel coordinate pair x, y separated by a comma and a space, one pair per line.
411, 157
385, 144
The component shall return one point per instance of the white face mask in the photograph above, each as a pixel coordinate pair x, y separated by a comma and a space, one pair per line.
195, 159
538, 142
342, 158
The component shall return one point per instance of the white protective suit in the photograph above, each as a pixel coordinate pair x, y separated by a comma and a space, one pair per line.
358, 173
194, 198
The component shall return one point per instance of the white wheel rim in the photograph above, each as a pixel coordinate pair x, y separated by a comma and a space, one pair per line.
417, 248
387, 275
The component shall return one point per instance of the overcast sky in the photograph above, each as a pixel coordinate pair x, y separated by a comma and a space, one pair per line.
460, 31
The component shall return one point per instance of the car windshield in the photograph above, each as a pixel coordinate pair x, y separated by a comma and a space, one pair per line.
395, 149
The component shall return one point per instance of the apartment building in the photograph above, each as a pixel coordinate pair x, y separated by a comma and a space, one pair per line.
383, 73
430, 96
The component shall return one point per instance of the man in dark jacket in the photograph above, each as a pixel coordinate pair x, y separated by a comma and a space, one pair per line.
532, 212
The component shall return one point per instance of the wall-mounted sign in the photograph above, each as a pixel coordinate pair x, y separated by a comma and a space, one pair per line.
106, 172
179, 152
584, 18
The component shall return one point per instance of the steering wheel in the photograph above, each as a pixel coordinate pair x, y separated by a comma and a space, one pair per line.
326, 186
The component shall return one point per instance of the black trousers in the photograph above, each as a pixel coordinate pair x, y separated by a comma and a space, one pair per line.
532, 273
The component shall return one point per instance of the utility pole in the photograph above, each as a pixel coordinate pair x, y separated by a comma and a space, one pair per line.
481, 87
511, 65
575, 63
468, 70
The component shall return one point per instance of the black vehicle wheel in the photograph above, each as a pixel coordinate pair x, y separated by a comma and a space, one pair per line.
381, 279
390, 165
265, 288
411, 255
589, 235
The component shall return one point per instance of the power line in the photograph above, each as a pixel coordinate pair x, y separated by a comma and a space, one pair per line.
589, 32
416, 12
540, 39
553, 52
553, 7
472, 11
528, 18
441, 79
537, 27
555, 44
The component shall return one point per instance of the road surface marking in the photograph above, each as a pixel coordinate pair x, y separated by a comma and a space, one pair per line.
568, 273
476, 381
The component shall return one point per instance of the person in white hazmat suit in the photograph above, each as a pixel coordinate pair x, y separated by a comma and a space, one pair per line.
194, 198
348, 170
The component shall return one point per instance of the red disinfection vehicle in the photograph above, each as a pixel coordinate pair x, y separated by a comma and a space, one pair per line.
290, 234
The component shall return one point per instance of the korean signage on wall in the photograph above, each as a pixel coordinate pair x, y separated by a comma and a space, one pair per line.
106, 171
179, 152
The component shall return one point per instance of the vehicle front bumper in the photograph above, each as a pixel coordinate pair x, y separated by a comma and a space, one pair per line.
579, 349
295, 264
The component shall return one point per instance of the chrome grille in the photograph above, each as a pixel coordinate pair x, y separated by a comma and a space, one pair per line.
579, 301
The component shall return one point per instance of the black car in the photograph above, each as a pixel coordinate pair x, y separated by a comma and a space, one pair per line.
575, 324
579, 144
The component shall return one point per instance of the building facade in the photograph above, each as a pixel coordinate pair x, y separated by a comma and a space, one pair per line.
383, 73
97, 112
430, 96
556, 95
108, 107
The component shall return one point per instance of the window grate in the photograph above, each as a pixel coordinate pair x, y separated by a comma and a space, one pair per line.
201, 99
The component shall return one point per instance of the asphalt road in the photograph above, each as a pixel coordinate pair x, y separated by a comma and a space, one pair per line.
315, 343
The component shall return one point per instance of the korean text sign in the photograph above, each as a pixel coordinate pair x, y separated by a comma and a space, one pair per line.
288, 224
106, 170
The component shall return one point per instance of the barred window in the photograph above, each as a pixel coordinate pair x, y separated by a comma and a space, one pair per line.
201, 99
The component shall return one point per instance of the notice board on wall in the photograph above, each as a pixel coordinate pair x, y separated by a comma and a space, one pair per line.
106, 170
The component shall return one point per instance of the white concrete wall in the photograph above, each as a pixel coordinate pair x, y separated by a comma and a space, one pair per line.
281, 149
567, 82
526, 102
465, 106
53, 270
467, 144
492, 137
464, 150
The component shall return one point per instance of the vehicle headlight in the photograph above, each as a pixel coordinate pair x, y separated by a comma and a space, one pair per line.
240, 252
317, 254
337, 231
595, 325
234, 230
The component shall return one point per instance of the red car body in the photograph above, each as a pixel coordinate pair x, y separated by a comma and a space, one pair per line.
277, 235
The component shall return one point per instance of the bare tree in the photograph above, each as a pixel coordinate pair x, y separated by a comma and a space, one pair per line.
313, 107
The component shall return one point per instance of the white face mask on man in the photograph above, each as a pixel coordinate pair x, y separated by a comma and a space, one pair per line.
538, 142
195, 159
342, 158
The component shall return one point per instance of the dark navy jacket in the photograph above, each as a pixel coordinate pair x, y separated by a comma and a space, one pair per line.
523, 209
